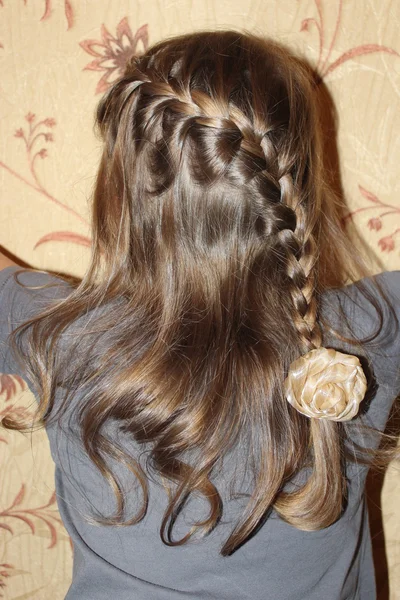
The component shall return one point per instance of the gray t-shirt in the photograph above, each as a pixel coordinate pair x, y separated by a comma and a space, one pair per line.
279, 562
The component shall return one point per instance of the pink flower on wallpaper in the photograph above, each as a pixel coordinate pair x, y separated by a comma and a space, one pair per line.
113, 52
386, 244
375, 224
34, 135
9, 385
47, 514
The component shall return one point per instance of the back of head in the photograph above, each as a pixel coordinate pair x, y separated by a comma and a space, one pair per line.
210, 215
211, 180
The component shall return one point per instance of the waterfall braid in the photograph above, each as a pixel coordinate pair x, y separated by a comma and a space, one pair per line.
211, 221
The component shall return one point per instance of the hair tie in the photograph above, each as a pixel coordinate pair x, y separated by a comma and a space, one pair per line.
326, 384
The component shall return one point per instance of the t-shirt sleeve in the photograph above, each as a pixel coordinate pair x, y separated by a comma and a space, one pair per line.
384, 348
351, 312
22, 296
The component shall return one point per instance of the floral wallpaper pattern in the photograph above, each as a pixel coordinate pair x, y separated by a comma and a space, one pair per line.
113, 52
48, 157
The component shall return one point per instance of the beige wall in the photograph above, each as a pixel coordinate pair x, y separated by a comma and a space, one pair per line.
54, 56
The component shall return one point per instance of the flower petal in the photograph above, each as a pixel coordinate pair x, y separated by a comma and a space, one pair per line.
94, 47
94, 65
123, 29
103, 84
142, 35
105, 34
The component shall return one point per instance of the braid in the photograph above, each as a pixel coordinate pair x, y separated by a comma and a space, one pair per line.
198, 107
195, 107
301, 258
300, 252
290, 221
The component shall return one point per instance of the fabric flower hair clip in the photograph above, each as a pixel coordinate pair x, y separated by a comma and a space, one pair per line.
326, 384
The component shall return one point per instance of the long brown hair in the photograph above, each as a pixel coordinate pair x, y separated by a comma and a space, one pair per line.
211, 224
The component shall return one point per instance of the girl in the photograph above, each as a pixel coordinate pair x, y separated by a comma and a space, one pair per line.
212, 393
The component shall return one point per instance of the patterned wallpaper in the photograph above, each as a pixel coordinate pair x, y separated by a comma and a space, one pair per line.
56, 58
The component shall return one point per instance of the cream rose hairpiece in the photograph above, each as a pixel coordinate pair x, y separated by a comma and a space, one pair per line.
326, 384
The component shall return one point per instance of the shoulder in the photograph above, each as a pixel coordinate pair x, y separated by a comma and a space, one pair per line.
390, 283
25, 291
24, 294
367, 308
368, 312
30, 277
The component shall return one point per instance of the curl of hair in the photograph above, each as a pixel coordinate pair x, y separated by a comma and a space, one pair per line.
211, 221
